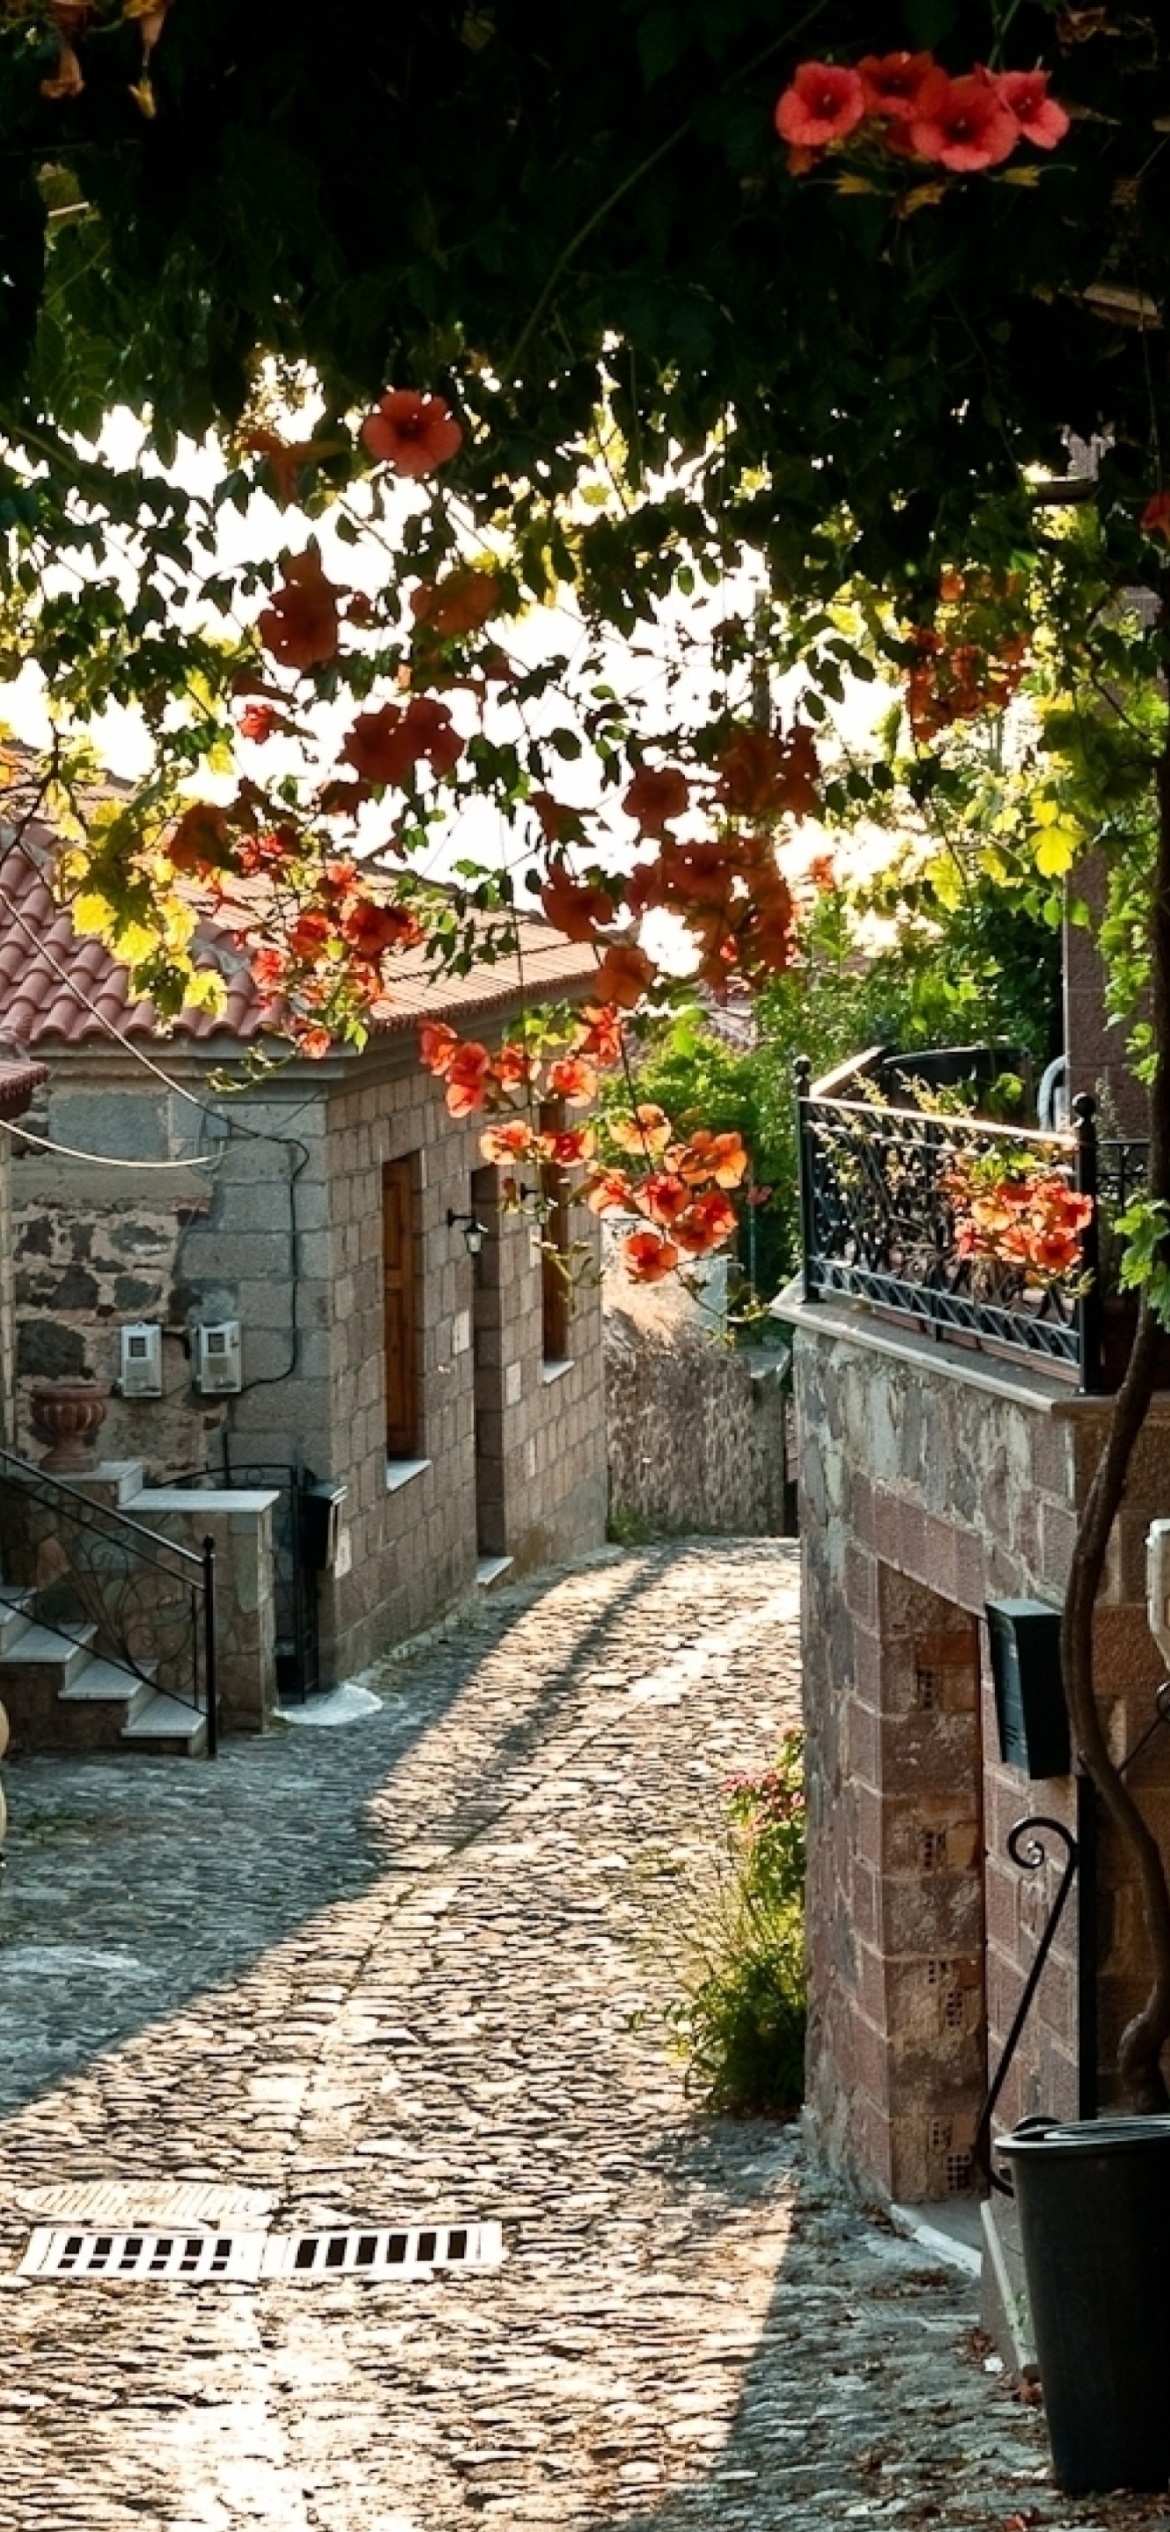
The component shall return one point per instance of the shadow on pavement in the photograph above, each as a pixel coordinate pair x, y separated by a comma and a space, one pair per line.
134, 1885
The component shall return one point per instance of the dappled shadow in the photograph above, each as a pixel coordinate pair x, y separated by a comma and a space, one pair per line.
856, 2392
134, 1885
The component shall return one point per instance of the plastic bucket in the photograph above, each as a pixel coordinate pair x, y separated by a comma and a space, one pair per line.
1094, 2205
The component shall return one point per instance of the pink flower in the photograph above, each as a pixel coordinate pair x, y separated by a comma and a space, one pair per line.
1040, 118
824, 103
963, 123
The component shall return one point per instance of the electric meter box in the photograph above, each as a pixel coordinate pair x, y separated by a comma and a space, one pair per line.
140, 1373
217, 1358
1030, 1710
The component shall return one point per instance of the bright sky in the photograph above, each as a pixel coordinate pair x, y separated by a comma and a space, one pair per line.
664, 670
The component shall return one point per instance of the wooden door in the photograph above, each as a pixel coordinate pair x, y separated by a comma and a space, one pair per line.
554, 1261
400, 1309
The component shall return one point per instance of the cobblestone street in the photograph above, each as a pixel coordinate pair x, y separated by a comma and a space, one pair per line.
412, 1969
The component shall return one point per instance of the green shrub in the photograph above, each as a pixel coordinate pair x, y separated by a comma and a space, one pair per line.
741, 2021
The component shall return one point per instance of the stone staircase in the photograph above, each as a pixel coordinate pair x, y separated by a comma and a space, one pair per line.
60, 1695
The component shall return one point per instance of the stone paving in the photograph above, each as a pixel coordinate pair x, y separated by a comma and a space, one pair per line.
414, 1969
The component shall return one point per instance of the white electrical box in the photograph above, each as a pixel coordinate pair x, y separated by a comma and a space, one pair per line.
1158, 1584
140, 1375
217, 1358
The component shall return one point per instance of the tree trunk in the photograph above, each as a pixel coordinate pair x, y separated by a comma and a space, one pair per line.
1139, 2058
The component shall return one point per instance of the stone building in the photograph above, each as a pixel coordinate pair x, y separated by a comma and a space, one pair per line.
943, 1467
320, 1213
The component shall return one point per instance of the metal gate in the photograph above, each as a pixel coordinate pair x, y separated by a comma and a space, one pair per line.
298, 1658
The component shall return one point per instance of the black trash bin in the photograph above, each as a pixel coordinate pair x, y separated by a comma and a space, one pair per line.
1094, 2206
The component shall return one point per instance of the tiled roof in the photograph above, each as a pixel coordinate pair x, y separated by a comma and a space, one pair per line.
59, 987
17, 1084
547, 966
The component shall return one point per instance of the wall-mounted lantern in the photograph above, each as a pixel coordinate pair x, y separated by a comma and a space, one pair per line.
474, 1231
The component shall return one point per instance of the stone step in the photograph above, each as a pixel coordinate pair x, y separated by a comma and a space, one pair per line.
164, 1727
15, 1605
491, 1570
42, 1658
109, 1683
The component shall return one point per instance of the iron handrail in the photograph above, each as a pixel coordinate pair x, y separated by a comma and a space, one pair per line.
145, 1551
97, 1513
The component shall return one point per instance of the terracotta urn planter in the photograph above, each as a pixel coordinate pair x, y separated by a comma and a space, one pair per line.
69, 1414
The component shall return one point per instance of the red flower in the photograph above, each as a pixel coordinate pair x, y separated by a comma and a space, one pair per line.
412, 433
963, 123
438, 1045
761, 775
312, 1040
514, 1066
601, 1035
432, 733
664, 1197
309, 934
372, 929
512, 1142
467, 1077
385, 746
625, 974
575, 906
573, 1079
460, 603
647, 1132
824, 103
608, 1192
257, 722
706, 1224
1155, 520
1040, 118
892, 81
653, 799
1055, 1252
648, 1258
301, 627
202, 840
570, 1144
719, 1157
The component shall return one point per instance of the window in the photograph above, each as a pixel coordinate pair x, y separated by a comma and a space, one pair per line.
400, 1310
554, 1256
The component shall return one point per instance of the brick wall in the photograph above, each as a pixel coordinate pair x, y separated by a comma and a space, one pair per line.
537, 1489
929, 1484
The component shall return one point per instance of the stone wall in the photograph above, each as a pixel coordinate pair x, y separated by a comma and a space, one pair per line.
95, 1249
284, 1233
931, 1481
695, 1432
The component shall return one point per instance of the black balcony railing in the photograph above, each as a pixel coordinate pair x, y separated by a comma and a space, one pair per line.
883, 1207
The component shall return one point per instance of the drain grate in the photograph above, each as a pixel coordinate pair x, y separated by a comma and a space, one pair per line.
57, 2251
371, 2251
205, 2257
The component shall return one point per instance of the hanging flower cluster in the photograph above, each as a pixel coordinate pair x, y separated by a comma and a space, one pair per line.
972, 658
905, 106
681, 1189
678, 1183
517, 1078
1033, 1222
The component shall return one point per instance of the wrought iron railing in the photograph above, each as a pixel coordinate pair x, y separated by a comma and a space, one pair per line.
881, 1203
149, 1601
